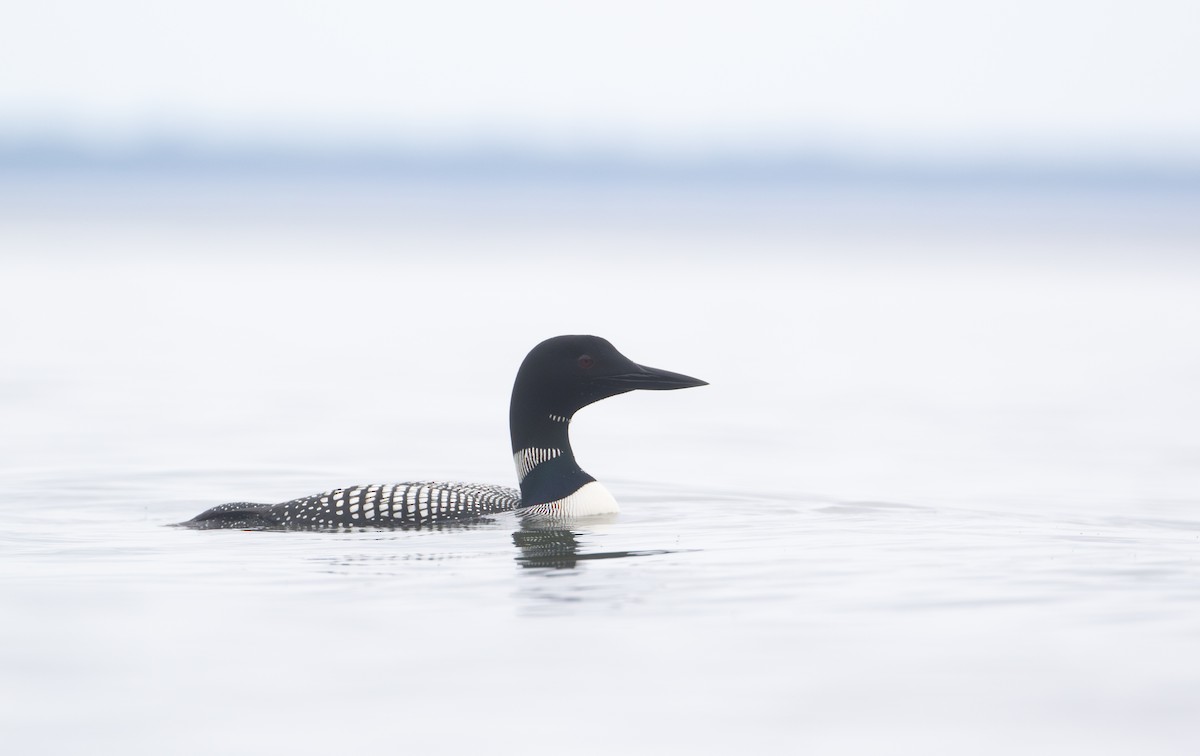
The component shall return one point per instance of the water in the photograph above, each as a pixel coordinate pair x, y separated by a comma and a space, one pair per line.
925, 505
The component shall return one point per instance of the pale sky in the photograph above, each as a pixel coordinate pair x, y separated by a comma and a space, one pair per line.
925, 75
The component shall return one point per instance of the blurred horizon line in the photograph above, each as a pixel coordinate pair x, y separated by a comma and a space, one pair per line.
184, 157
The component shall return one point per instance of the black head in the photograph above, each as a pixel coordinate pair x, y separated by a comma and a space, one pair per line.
566, 373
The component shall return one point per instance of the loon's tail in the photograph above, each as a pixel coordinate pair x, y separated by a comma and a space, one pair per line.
239, 515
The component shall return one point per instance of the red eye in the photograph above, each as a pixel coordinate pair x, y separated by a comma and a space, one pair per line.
586, 362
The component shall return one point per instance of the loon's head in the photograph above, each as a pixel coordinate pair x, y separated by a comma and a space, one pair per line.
559, 377
562, 375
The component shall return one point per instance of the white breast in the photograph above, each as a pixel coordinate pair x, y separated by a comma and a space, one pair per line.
591, 499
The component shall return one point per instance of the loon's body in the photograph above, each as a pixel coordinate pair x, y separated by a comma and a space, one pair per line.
559, 377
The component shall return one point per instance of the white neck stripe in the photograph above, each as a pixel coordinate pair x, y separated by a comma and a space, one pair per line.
527, 459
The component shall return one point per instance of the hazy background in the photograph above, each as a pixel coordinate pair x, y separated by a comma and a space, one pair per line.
900, 103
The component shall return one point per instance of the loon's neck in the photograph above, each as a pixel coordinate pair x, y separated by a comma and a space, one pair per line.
546, 466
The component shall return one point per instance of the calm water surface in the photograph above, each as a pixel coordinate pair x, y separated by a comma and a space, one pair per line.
920, 509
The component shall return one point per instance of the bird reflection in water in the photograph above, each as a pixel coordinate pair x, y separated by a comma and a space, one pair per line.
559, 549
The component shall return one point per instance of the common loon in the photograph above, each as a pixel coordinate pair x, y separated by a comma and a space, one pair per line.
559, 377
